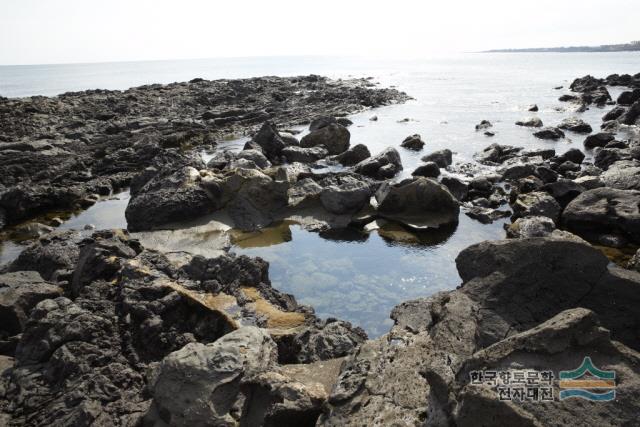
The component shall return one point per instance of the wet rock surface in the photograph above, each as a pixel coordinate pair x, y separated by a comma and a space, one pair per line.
55, 152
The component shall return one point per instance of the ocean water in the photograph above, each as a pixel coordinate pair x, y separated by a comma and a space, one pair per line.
361, 277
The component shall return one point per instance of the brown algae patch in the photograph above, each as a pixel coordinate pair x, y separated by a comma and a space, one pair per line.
276, 318
619, 256
220, 303
269, 236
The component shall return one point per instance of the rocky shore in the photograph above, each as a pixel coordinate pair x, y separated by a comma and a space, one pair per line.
103, 329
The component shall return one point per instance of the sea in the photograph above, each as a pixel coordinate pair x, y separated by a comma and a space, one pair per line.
354, 277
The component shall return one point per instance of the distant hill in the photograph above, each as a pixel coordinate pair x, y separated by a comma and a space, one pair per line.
632, 46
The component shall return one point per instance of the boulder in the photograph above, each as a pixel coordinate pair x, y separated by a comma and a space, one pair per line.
496, 153
604, 211
169, 198
630, 117
576, 125
429, 170
353, 155
532, 226
573, 155
456, 187
484, 124
346, 194
563, 190
628, 97
220, 160
623, 175
486, 215
569, 98
532, 122
518, 168
512, 305
563, 273
289, 139
53, 256
442, 158
587, 83
270, 141
589, 182
546, 174
325, 340
200, 384
533, 107
251, 198
545, 153
614, 113
334, 137
561, 343
321, 122
304, 155
255, 156
549, 133
599, 139
413, 142
605, 157
536, 203
374, 167
418, 202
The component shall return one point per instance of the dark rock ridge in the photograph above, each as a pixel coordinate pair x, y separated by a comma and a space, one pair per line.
57, 152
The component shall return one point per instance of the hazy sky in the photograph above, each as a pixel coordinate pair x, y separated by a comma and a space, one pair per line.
62, 31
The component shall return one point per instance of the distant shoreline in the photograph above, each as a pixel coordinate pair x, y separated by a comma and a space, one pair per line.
626, 47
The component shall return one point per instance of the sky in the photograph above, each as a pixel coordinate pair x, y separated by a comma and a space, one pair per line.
71, 31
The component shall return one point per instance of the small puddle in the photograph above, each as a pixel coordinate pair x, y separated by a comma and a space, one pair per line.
106, 213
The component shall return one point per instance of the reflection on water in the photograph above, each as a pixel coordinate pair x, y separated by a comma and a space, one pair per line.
106, 213
360, 277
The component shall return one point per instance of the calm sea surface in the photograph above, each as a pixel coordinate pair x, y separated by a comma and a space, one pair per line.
354, 277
